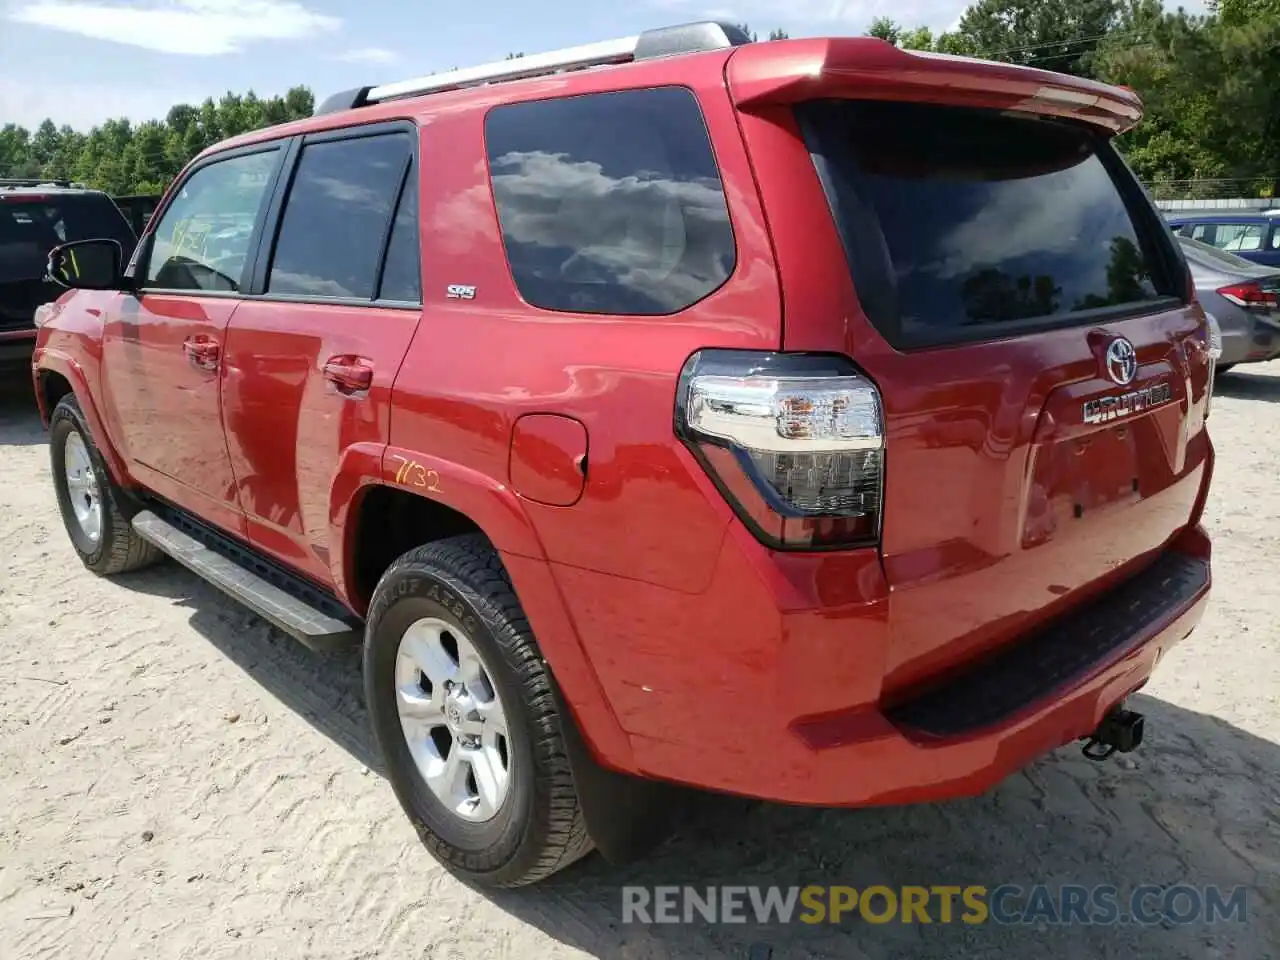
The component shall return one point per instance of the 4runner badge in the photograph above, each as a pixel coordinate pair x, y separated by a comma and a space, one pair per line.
1106, 409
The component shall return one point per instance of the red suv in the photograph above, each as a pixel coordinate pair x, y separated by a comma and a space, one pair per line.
809, 420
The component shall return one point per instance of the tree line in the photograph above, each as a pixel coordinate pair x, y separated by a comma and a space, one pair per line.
126, 158
1210, 84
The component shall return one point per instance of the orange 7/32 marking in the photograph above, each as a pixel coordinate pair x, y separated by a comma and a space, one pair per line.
414, 474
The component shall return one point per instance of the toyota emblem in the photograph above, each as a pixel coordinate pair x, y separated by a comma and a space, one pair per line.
1122, 361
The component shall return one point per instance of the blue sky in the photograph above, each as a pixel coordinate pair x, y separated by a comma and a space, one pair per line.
82, 61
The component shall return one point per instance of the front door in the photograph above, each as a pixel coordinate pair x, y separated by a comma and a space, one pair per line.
163, 345
309, 365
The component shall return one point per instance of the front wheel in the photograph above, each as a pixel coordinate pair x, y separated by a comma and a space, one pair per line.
464, 715
88, 499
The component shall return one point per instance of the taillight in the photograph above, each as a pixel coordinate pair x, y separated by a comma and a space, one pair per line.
795, 442
1251, 295
44, 313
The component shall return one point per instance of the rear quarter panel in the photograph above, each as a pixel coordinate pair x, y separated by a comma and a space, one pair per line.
475, 366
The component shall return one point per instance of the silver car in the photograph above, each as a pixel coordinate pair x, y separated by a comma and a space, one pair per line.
1244, 299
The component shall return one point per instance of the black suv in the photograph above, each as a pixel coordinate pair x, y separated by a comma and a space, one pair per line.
36, 216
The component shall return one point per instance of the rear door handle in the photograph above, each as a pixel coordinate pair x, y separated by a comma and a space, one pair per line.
202, 351
349, 374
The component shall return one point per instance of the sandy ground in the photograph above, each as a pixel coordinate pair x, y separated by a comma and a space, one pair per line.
179, 781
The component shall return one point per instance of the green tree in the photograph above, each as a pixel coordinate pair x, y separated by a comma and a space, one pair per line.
1236, 13
1211, 93
1057, 35
885, 28
921, 38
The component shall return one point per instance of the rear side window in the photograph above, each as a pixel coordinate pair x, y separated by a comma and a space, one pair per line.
401, 279
610, 203
969, 224
337, 217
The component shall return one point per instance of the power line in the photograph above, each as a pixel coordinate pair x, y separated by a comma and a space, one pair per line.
1061, 43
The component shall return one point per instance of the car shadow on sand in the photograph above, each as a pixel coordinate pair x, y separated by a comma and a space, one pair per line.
1244, 385
1198, 805
19, 417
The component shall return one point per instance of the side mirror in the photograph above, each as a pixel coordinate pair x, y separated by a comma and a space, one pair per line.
87, 265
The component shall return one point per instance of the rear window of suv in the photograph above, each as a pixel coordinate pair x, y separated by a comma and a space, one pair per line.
610, 203
32, 226
965, 224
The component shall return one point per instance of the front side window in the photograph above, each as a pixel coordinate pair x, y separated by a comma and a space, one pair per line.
337, 215
610, 203
202, 240
962, 223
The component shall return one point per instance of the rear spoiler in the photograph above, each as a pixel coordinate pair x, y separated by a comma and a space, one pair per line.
790, 71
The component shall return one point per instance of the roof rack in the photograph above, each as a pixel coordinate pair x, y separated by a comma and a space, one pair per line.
35, 182
662, 42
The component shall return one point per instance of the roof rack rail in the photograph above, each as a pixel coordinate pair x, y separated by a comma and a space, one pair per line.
661, 42
34, 182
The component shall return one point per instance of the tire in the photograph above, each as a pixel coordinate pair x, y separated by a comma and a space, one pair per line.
109, 545
460, 585
1224, 367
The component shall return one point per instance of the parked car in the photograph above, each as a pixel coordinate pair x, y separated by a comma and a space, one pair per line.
1254, 237
137, 209
35, 217
651, 422
1243, 297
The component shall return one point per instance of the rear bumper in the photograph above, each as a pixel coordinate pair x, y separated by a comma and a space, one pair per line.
785, 704
902, 766
1264, 343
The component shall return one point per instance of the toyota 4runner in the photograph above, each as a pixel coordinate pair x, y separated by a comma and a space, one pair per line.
810, 420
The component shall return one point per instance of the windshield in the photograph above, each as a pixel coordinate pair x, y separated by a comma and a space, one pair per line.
32, 226
967, 224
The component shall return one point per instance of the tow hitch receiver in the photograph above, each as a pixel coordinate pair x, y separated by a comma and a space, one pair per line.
1119, 730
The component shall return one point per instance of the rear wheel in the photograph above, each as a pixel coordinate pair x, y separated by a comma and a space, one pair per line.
464, 714
88, 499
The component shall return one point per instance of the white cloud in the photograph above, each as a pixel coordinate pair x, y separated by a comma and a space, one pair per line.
191, 27
85, 105
368, 55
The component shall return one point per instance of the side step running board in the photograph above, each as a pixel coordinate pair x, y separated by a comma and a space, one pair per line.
296, 617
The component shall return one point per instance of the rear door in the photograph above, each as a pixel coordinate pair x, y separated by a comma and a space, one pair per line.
311, 358
1024, 314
